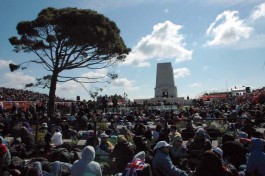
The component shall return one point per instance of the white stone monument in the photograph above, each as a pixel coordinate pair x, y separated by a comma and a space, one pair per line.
165, 84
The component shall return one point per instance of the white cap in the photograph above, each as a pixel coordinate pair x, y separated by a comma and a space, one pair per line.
104, 135
161, 144
140, 155
218, 151
44, 125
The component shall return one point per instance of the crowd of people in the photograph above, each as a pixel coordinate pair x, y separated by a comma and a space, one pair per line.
11, 94
145, 141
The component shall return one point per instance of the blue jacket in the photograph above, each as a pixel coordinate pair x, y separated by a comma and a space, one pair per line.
256, 158
162, 165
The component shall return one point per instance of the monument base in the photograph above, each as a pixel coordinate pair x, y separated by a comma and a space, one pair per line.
179, 100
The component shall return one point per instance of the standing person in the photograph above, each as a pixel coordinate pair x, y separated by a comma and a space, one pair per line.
162, 164
115, 103
86, 166
104, 103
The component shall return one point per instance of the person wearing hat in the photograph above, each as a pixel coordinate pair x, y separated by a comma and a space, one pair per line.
42, 137
162, 164
228, 167
197, 146
105, 144
178, 150
218, 151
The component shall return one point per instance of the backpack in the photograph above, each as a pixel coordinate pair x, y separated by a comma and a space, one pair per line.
41, 137
61, 154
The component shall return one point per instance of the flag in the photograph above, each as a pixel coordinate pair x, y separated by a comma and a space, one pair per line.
133, 167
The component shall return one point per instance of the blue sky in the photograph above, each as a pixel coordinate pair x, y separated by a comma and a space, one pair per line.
212, 44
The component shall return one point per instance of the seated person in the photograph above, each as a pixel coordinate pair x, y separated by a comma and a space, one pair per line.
197, 146
86, 165
162, 164
105, 144
177, 150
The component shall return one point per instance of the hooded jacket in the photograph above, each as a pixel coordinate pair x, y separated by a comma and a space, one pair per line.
256, 159
163, 166
86, 166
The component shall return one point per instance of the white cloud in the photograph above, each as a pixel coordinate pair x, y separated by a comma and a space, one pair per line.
258, 12
255, 41
4, 63
227, 29
199, 84
124, 83
70, 86
165, 42
181, 72
71, 89
17, 80
99, 73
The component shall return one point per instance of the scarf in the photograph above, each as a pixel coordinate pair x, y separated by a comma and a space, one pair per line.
3, 149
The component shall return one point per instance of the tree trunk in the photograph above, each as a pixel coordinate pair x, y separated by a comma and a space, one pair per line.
51, 102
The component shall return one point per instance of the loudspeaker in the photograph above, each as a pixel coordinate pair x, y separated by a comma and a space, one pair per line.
77, 98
